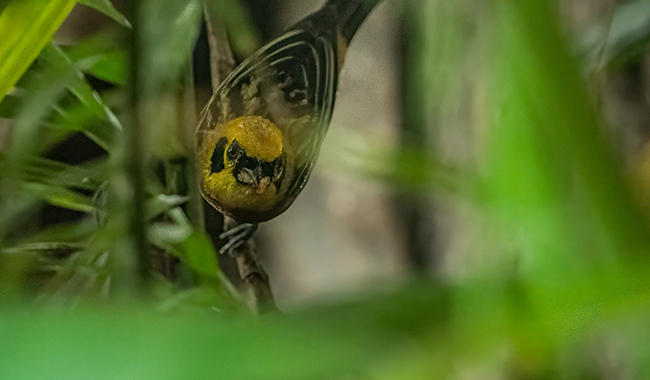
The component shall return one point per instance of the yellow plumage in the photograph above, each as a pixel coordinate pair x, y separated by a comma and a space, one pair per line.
260, 139
258, 136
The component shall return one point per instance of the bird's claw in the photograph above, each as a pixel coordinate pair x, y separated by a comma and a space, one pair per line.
237, 236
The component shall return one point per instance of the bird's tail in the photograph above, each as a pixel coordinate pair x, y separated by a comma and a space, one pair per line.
350, 14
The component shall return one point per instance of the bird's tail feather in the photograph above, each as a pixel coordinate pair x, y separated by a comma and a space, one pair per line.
350, 14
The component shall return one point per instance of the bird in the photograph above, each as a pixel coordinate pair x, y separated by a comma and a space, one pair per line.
260, 133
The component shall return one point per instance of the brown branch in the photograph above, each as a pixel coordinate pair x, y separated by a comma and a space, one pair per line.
254, 278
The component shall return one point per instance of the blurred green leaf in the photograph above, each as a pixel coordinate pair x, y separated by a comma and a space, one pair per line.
235, 17
198, 253
26, 27
385, 336
52, 249
88, 176
51, 181
127, 343
162, 203
169, 34
60, 196
78, 117
550, 161
43, 90
57, 76
107, 8
105, 49
205, 299
74, 233
110, 68
192, 247
104, 134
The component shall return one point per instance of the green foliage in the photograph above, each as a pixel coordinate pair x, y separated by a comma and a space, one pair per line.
107, 8
548, 143
26, 27
168, 35
53, 100
563, 246
235, 19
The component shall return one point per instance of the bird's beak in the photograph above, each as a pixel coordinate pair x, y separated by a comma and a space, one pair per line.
263, 184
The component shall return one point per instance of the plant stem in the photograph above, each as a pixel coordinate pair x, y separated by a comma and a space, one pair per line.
135, 154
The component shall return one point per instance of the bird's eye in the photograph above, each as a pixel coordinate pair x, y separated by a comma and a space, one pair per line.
234, 151
278, 168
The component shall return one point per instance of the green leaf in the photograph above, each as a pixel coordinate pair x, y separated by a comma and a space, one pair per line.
80, 118
42, 92
236, 19
26, 27
408, 170
139, 344
74, 233
162, 203
111, 68
192, 247
44, 87
553, 178
107, 136
55, 248
109, 55
198, 253
107, 8
204, 299
167, 37
88, 176
385, 336
169, 34
60, 196
51, 181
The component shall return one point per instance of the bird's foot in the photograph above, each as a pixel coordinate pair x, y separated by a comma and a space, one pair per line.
236, 237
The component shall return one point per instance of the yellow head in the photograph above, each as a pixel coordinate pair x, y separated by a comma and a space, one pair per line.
242, 165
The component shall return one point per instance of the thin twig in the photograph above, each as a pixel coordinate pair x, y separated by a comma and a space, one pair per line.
253, 276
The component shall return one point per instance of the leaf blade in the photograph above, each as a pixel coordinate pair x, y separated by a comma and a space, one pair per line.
107, 8
28, 27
